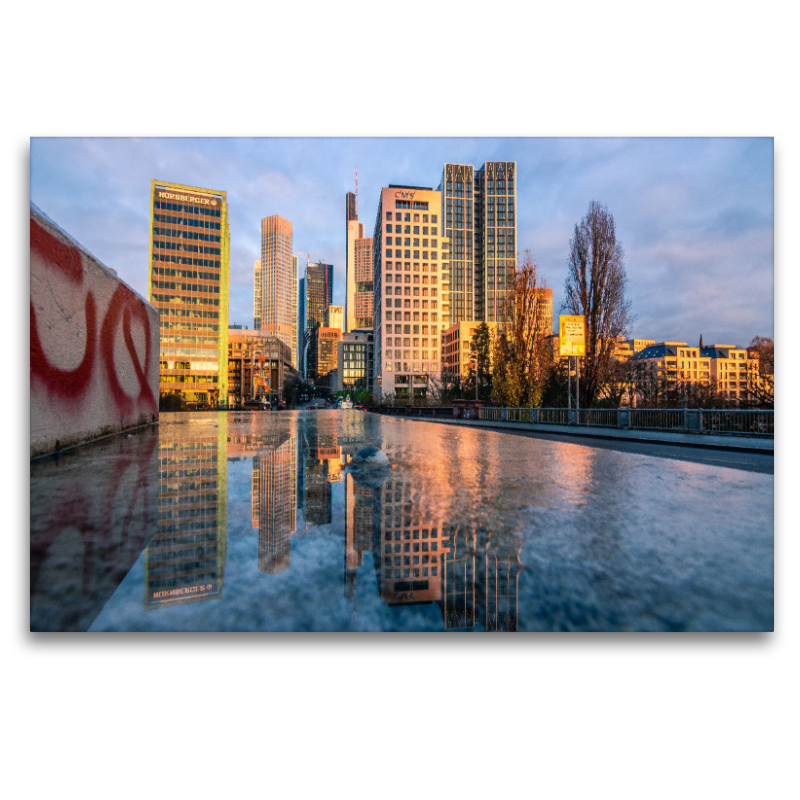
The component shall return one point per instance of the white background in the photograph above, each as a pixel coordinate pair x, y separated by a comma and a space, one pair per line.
622, 716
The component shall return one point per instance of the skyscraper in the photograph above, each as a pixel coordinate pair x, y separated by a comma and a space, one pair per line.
496, 235
479, 217
411, 298
189, 274
358, 298
319, 295
276, 287
257, 295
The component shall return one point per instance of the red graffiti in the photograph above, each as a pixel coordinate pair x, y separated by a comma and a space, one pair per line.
67, 383
124, 306
126, 303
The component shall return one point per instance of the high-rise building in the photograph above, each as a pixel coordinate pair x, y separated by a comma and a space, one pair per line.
301, 327
411, 298
334, 317
276, 286
318, 297
479, 217
189, 275
257, 295
496, 237
458, 217
358, 298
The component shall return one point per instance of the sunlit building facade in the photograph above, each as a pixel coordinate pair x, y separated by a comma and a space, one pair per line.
411, 292
259, 366
189, 278
479, 218
457, 351
358, 298
496, 237
355, 367
318, 283
276, 282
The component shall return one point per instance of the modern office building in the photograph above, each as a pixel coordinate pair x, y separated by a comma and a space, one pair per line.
318, 297
189, 277
411, 298
301, 327
358, 298
327, 357
257, 294
334, 317
479, 218
458, 214
457, 355
259, 366
275, 284
355, 362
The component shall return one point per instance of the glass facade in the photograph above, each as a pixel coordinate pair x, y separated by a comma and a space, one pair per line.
189, 269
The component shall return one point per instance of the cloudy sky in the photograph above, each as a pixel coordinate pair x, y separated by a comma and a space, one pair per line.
695, 216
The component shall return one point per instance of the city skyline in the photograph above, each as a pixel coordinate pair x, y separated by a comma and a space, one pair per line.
695, 216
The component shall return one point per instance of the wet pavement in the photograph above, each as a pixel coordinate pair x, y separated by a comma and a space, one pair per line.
259, 521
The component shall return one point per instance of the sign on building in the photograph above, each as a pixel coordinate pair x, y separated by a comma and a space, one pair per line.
571, 336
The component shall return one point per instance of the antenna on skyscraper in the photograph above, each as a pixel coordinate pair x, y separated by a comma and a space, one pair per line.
356, 204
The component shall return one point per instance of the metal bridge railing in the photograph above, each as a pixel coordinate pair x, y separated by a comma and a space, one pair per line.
744, 422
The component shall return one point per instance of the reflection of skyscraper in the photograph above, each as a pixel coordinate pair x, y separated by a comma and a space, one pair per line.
358, 530
185, 560
458, 601
409, 541
275, 481
322, 462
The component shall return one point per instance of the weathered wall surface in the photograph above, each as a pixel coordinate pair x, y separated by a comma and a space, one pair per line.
94, 346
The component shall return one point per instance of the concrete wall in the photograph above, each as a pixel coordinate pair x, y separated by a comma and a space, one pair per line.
94, 346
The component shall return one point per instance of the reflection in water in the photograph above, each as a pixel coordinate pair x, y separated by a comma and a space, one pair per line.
466, 530
88, 526
185, 560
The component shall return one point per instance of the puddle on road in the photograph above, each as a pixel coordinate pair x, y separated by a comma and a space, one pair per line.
261, 522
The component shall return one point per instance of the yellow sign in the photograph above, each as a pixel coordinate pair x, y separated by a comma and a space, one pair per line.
571, 336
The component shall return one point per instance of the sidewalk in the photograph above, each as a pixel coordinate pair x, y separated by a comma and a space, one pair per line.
714, 441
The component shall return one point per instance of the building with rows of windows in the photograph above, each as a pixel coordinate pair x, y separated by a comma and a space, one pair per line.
189, 277
411, 292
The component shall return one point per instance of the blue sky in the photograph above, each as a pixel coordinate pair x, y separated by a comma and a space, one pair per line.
695, 216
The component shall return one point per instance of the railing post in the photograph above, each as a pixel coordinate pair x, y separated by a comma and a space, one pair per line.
504, 414
535, 415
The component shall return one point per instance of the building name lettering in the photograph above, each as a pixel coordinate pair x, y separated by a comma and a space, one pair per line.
203, 201
405, 195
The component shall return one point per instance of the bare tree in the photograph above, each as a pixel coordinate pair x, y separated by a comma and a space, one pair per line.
761, 381
595, 289
522, 352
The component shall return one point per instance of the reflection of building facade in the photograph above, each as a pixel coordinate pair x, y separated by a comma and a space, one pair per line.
259, 365
411, 292
323, 460
274, 486
185, 560
358, 530
189, 268
409, 542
